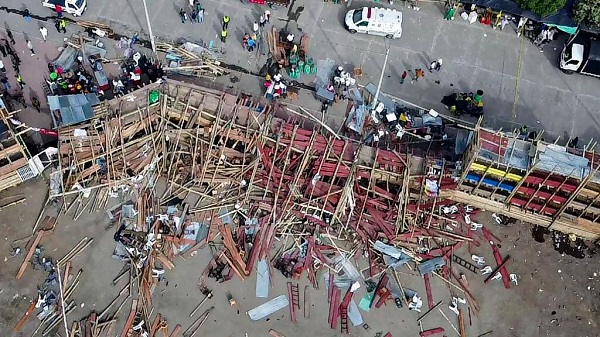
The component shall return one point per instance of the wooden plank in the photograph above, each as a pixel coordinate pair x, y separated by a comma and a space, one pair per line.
9, 151
275, 333
130, 319
31, 251
155, 325
176, 331
25, 316
4, 170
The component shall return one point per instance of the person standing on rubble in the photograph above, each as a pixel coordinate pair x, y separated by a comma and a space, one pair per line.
3, 48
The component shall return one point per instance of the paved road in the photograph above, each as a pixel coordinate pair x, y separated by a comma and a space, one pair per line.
475, 56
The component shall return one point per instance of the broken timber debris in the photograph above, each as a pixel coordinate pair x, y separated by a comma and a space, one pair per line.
262, 185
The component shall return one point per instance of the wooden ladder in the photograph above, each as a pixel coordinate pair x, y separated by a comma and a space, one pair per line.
294, 295
464, 263
344, 318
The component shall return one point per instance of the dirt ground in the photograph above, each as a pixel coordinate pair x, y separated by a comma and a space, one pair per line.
556, 295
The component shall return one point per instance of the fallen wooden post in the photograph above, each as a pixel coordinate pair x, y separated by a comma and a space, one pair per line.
41, 233
25, 316
275, 333
176, 331
130, 319
431, 332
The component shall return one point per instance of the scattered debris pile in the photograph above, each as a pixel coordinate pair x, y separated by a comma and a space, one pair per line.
268, 186
192, 59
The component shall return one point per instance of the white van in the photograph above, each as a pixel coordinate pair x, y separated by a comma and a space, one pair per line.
73, 7
375, 21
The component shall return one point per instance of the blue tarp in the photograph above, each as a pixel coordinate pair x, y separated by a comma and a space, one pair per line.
73, 108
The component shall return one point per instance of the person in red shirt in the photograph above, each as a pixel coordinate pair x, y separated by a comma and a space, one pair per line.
59, 11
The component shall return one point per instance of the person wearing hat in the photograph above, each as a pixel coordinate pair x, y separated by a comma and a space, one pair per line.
224, 35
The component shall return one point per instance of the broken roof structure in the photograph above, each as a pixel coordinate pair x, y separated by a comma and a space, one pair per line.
534, 181
15, 164
237, 151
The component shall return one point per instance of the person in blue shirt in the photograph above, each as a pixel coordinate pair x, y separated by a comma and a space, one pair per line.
251, 44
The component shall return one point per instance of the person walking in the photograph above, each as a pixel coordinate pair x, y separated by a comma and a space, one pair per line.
267, 15
403, 77
2, 69
200, 14
30, 46
262, 21
224, 35
10, 36
2, 48
182, 15
44, 32
193, 16
5, 82
57, 25
226, 20
20, 81
255, 27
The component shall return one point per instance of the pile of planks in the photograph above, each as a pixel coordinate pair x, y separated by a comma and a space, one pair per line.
192, 60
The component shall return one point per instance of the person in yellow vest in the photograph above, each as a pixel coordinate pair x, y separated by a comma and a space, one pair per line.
224, 36
63, 26
20, 81
225, 22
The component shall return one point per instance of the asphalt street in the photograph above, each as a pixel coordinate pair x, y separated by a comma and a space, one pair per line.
521, 85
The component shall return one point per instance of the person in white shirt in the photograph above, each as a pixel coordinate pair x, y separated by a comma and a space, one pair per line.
44, 32
268, 16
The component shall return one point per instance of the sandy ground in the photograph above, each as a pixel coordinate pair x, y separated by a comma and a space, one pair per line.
556, 295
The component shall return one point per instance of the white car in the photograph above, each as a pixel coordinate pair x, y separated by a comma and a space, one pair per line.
73, 7
375, 21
